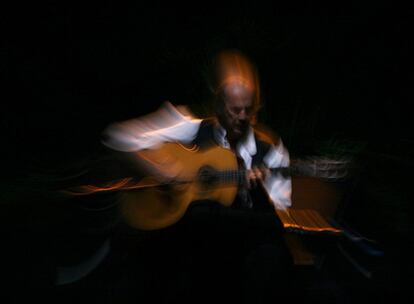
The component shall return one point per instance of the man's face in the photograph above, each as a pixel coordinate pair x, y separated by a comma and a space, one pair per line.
237, 111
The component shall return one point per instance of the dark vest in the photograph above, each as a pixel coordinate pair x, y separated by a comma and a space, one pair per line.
205, 139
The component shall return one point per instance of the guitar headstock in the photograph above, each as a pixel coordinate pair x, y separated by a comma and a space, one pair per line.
321, 167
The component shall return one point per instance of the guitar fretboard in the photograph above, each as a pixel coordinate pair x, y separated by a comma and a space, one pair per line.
238, 176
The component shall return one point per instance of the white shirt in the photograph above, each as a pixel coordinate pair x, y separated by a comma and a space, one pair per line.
169, 124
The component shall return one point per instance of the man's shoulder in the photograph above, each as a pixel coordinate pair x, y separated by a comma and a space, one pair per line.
209, 121
207, 126
205, 134
266, 136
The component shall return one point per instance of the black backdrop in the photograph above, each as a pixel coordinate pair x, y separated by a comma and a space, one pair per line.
326, 73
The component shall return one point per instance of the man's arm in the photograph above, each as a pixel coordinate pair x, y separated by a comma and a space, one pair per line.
167, 124
278, 187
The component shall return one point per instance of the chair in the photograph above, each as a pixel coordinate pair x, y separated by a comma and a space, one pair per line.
320, 197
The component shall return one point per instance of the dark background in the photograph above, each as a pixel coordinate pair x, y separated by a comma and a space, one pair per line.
326, 73
334, 79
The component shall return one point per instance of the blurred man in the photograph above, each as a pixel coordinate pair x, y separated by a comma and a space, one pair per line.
238, 249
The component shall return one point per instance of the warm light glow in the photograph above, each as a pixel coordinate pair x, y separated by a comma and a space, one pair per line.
123, 184
234, 69
305, 220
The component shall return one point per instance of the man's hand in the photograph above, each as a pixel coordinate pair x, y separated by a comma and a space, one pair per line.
256, 175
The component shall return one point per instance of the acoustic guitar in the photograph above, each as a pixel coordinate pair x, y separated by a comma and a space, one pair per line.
188, 175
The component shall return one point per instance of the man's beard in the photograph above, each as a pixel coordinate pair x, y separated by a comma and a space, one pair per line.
239, 131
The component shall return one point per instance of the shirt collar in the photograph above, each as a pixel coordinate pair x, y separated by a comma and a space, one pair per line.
248, 144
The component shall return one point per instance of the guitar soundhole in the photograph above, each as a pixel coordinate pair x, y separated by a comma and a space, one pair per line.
208, 176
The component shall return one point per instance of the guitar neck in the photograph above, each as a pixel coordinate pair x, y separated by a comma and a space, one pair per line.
239, 176
330, 171
208, 175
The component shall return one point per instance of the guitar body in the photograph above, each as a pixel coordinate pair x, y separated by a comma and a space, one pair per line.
161, 206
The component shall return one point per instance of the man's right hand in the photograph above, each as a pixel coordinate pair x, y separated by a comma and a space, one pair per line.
256, 175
